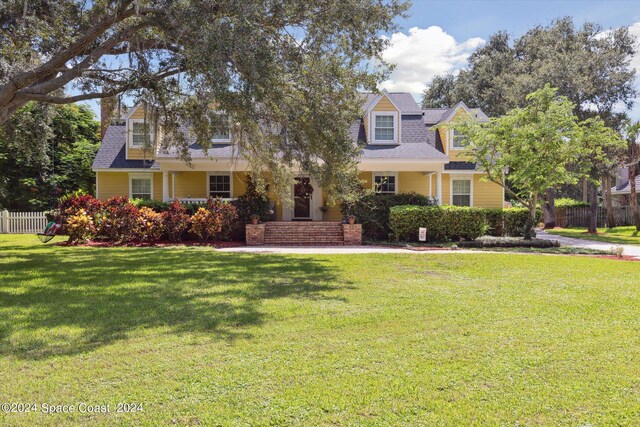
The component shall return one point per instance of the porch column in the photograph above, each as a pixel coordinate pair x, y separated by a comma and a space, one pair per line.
165, 186
439, 187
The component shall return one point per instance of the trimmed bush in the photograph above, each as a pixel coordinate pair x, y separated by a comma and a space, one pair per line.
495, 221
516, 219
372, 210
156, 205
205, 224
117, 220
565, 202
80, 227
505, 242
72, 204
443, 223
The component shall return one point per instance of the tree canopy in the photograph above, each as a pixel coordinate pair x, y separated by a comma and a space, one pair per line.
589, 65
45, 152
287, 71
540, 146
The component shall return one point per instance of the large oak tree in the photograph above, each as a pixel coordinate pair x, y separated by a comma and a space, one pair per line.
288, 71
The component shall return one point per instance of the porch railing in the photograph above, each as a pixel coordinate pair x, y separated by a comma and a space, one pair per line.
201, 201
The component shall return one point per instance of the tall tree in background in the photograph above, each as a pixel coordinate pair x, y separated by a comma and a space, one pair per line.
286, 70
632, 161
46, 151
602, 155
588, 65
526, 150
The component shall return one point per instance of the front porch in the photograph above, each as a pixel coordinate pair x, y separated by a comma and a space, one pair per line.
310, 201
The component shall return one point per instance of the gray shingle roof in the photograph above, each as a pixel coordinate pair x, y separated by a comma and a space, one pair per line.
460, 166
112, 155
431, 116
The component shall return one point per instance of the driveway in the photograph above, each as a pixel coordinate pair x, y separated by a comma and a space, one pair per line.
630, 250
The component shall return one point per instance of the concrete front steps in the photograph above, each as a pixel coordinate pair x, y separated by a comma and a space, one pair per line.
304, 233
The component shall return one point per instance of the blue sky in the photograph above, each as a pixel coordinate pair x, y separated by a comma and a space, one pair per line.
439, 35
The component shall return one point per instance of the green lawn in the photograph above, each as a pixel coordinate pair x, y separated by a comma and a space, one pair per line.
620, 235
208, 338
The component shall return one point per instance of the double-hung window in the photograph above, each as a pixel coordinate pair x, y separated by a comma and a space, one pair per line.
220, 186
140, 133
461, 192
222, 128
141, 186
459, 140
384, 129
385, 183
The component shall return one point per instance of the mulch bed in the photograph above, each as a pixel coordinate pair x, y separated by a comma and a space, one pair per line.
102, 244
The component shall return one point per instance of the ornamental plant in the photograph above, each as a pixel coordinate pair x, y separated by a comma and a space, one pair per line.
118, 220
224, 213
150, 225
72, 204
175, 221
80, 227
205, 224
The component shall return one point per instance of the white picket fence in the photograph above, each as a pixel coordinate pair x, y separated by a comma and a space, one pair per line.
22, 222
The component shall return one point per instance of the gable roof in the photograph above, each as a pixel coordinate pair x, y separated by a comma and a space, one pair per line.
112, 152
626, 187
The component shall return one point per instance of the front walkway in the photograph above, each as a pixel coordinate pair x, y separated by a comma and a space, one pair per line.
629, 250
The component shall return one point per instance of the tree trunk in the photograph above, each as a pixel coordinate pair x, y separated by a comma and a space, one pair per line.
633, 199
529, 232
585, 190
593, 217
606, 185
549, 210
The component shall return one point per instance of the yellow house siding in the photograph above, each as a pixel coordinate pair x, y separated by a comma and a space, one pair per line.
413, 181
446, 188
137, 153
486, 194
366, 178
138, 113
190, 185
239, 184
112, 184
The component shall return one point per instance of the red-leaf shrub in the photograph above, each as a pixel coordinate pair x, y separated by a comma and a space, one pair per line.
72, 204
175, 220
118, 220
150, 225
80, 227
226, 213
205, 224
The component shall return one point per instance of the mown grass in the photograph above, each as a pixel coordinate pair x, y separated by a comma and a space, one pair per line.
208, 338
620, 235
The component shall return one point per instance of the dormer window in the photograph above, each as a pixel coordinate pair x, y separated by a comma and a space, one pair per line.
140, 133
459, 140
222, 129
385, 127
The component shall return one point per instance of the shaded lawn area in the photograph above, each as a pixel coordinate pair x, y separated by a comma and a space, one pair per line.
620, 235
209, 338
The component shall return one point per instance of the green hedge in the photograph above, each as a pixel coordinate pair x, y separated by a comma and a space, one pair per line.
443, 223
515, 221
372, 210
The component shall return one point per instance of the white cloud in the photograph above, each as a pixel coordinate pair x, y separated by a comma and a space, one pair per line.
423, 54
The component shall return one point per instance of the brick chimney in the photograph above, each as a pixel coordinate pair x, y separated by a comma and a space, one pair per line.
107, 109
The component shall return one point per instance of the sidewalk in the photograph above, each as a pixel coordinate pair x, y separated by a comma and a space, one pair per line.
331, 250
630, 250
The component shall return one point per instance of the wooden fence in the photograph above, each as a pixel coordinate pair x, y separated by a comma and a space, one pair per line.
22, 222
579, 216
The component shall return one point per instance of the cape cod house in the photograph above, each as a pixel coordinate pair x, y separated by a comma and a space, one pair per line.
402, 153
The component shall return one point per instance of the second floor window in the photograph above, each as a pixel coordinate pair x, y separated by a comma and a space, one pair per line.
140, 134
384, 128
222, 130
458, 140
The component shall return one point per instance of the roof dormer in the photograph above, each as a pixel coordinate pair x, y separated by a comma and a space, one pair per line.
383, 120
